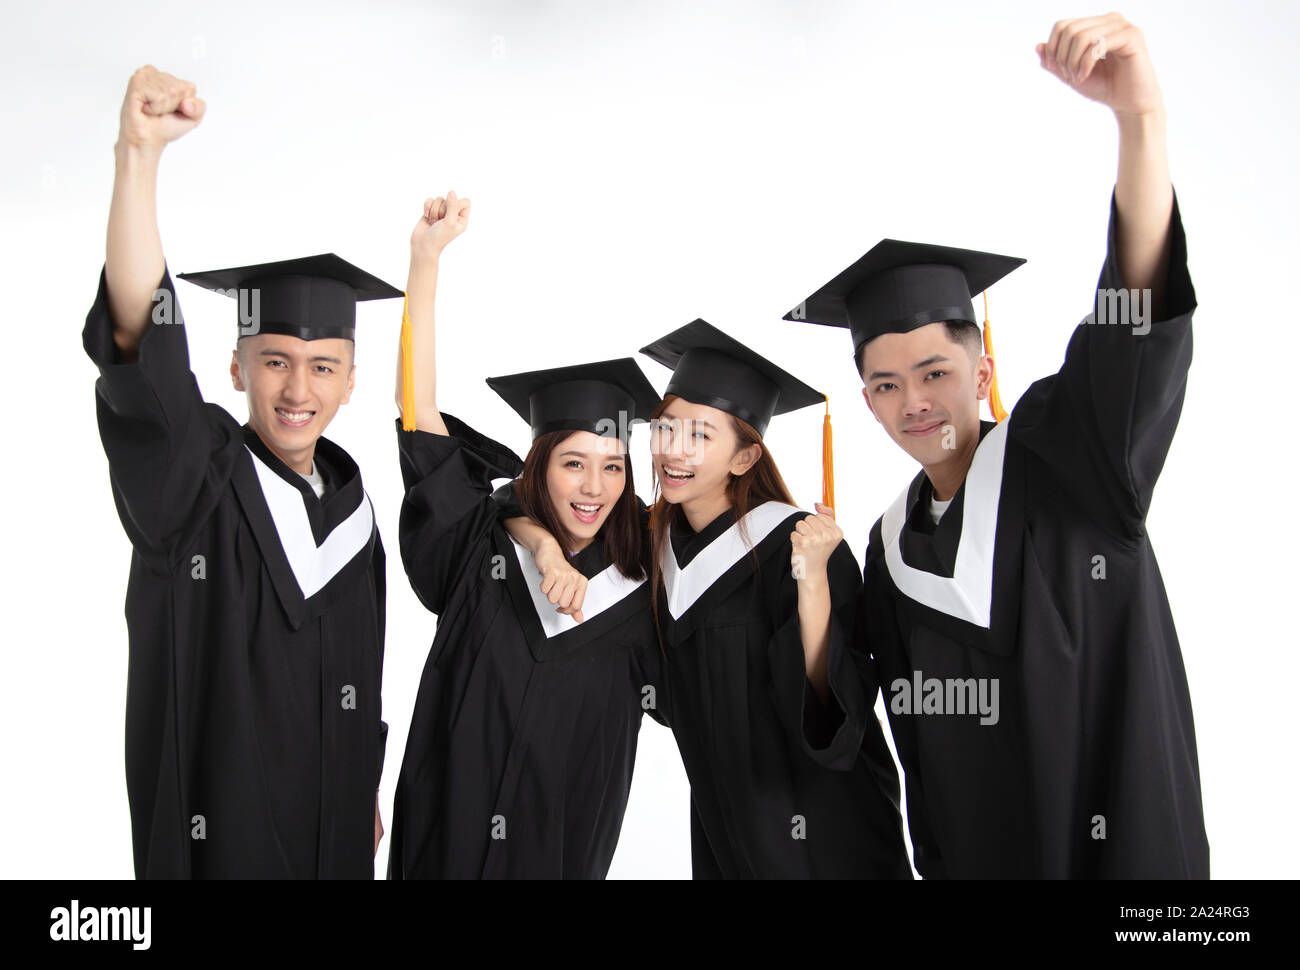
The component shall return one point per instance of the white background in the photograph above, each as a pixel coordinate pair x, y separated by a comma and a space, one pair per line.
633, 166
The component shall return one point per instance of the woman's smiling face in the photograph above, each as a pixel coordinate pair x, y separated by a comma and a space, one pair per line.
585, 476
694, 449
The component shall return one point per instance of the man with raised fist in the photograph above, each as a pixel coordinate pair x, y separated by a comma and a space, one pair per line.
1014, 609
255, 605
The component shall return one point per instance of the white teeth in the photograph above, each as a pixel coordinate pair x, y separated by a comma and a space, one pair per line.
586, 508
672, 473
293, 416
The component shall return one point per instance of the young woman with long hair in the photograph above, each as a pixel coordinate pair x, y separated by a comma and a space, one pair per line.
521, 744
757, 608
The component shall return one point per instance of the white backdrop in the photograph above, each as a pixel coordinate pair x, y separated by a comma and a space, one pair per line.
634, 166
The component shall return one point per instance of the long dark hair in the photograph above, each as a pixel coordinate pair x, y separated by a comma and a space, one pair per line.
761, 483
621, 532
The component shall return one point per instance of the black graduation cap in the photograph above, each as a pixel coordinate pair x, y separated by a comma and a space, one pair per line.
605, 397
312, 297
900, 286
716, 370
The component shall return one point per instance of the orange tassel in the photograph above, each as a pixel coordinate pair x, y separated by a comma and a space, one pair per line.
995, 399
828, 461
408, 372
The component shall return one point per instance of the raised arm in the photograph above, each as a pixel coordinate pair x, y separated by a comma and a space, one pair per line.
1105, 58
158, 109
169, 454
1106, 421
812, 542
442, 220
820, 691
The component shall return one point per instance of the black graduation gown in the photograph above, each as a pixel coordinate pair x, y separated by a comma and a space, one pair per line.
255, 621
781, 787
1040, 577
522, 742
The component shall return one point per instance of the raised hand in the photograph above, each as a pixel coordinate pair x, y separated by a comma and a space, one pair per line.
158, 108
812, 542
1104, 58
442, 220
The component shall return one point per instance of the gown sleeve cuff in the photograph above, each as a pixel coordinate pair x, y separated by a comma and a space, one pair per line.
159, 379
1179, 294
829, 733
424, 453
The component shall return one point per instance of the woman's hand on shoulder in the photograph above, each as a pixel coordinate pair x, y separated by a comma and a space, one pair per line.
561, 583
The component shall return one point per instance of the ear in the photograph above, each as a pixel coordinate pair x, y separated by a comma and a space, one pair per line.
984, 370
352, 380
745, 459
867, 397
236, 376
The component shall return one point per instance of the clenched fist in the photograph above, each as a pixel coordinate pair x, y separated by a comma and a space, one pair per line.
158, 108
441, 222
812, 542
1105, 59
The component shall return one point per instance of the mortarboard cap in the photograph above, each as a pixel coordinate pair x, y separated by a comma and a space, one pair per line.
313, 297
714, 369
899, 286
605, 397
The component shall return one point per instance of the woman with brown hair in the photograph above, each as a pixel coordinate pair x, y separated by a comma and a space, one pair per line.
520, 751
756, 605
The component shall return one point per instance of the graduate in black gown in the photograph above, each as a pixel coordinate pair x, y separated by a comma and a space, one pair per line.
523, 737
255, 605
756, 606
1027, 653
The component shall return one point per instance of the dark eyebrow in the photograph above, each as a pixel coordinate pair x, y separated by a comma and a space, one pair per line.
281, 354
583, 454
669, 417
932, 359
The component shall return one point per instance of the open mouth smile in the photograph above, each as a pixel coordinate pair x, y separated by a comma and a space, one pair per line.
294, 419
674, 477
585, 513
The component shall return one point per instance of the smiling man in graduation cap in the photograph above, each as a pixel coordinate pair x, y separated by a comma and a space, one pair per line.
255, 606
1025, 644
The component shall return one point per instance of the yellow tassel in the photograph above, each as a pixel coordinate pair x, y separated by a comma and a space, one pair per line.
828, 461
995, 399
408, 372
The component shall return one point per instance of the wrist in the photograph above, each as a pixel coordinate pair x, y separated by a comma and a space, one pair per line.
424, 261
813, 579
547, 545
1142, 124
134, 158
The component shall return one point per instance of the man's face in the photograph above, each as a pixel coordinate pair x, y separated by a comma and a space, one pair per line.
294, 387
925, 389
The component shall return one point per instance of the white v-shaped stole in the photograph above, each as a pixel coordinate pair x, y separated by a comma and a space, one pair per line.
968, 594
313, 566
607, 588
685, 585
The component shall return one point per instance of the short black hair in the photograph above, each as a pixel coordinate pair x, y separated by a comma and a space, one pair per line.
969, 335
